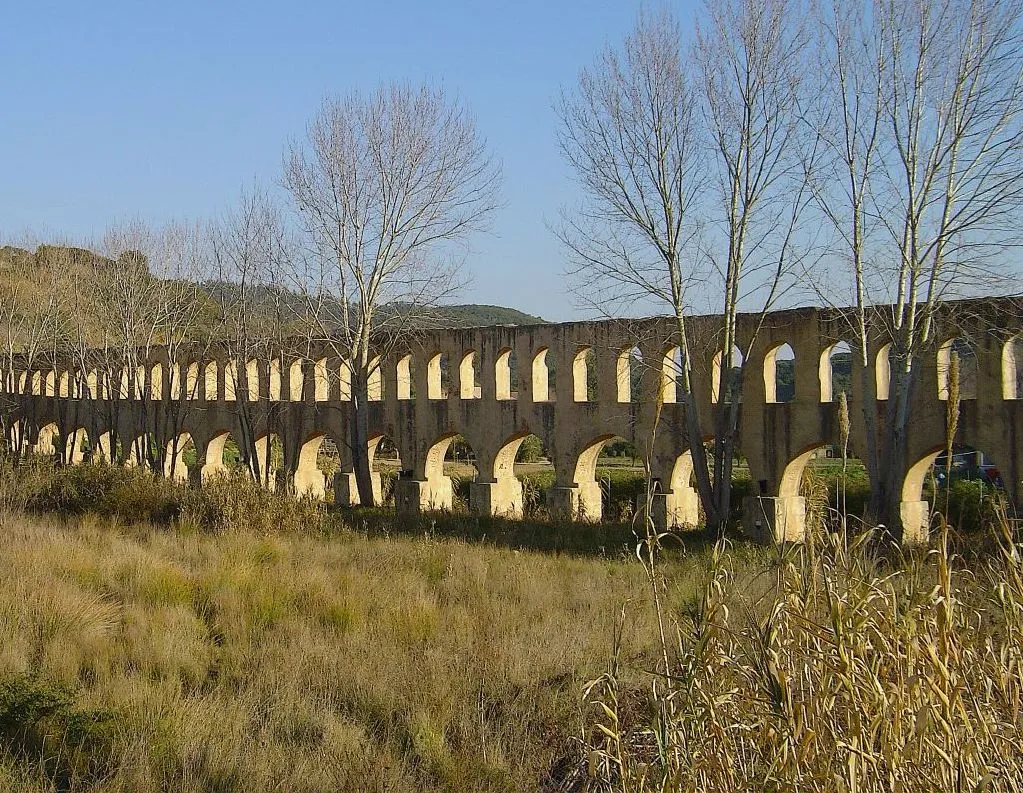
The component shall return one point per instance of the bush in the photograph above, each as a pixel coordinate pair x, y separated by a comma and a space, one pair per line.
43, 727
235, 501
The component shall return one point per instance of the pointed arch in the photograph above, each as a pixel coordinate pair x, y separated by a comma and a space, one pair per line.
468, 387
541, 376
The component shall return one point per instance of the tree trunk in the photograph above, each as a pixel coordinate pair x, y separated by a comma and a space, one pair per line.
360, 434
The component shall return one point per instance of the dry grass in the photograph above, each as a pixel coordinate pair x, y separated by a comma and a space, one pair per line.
252, 660
246, 641
858, 670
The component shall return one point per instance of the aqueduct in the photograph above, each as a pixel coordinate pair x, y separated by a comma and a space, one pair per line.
574, 385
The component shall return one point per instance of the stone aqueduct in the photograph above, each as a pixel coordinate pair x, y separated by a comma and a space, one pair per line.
572, 385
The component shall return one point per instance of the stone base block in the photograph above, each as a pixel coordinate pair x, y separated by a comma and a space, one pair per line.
415, 496
675, 510
916, 522
310, 483
575, 502
503, 498
346, 491
775, 519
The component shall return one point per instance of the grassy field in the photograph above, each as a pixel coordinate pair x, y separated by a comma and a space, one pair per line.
227, 639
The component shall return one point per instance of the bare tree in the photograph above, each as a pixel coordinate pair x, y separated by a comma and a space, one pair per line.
922, 119
33, 320
693, 190
388, 186
142, 303
249, 253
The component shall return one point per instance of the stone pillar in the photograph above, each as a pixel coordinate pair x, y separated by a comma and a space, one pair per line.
563, 502
915, 516
346, 491
503, 497
575, 502
415, 496
310, 482
675, 509
775, 519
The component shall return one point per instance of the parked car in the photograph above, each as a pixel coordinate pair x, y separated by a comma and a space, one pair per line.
969, 466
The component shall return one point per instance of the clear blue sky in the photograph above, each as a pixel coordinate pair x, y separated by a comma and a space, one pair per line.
164, 111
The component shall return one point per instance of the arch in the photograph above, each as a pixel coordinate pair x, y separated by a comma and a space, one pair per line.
914, 509
628, 370
505, 496
222, 455
76, 447
405, 385
210, 386
835, 371
192, 381
156, 382
174, 380
180, 449
468, 387
588, 496
140, 452
51, 383
883, 372
47, 440
671, 369
584, 376
790, 483
296, 380
681, 500
273, 380
252, 379
92, 384
541, 377
732, 384
374, 381
231, 381
384, 463
310, 478
505, 369
321, 382
64, 385
1012, 368
963, 349
269, 461
138, 387
384, 454
437, 491
344, 374
436, 376
37, 383
780, 374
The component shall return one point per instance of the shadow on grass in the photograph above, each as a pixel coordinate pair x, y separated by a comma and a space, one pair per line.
577, 538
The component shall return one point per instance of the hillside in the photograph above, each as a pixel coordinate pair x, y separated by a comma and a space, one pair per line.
476, 315
25, 279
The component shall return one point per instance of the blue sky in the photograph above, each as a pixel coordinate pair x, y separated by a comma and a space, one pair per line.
113, 110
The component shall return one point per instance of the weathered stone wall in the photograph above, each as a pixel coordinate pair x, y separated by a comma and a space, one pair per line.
574, 385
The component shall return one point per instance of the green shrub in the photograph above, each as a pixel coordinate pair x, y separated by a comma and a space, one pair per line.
42, 726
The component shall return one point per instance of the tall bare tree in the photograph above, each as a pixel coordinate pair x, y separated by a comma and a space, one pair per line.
33, 319
250, 254
692, 189
389, 186
922, 119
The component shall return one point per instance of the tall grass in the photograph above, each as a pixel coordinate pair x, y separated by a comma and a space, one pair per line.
856, 669
230, 652
155, 637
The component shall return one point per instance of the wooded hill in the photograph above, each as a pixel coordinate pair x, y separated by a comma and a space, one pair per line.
27, 278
